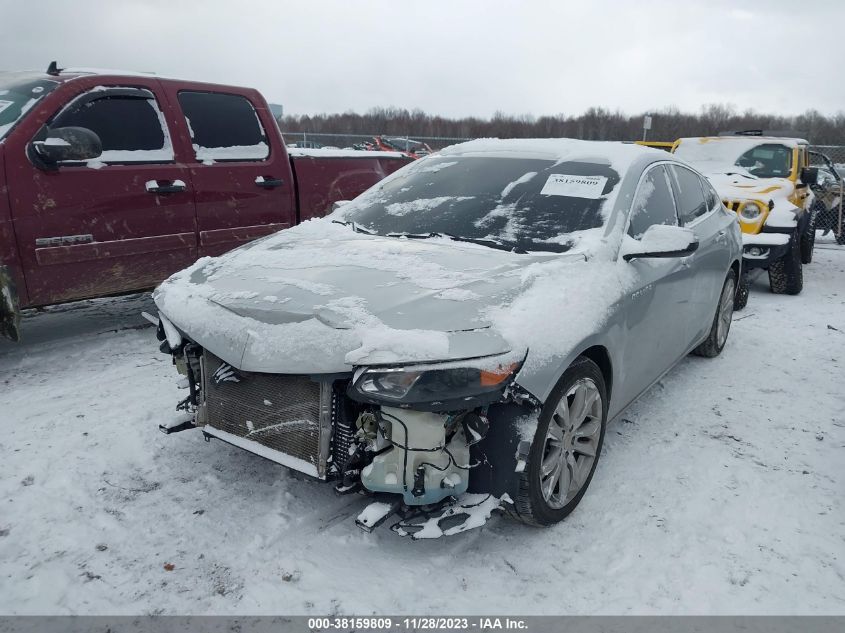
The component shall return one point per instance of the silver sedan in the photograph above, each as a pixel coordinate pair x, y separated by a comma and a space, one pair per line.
467, 326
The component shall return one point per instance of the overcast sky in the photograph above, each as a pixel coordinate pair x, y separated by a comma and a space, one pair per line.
457, 57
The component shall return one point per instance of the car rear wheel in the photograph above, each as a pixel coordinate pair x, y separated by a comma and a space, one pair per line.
718, 335
566, 447
786, 275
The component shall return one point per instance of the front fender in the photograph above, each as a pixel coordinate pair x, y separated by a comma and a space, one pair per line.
539, 381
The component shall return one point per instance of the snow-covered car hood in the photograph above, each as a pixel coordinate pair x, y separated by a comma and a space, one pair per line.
321, 298
735, 183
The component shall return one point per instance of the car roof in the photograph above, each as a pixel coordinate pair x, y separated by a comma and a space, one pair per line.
749, 140
69, 74
619, 155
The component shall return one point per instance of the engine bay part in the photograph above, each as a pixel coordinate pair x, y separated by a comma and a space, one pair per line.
426, 458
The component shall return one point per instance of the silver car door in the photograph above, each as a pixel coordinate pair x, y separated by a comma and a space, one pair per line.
700, 209
658, 304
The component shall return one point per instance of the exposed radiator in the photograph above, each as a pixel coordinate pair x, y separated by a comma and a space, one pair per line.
290, 415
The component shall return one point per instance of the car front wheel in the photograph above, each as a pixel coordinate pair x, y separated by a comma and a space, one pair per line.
566, 447
786, 275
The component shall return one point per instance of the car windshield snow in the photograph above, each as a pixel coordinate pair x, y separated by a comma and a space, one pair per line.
763, 160
18, 94
514, 203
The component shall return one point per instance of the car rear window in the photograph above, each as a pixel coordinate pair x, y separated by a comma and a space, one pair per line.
223, 127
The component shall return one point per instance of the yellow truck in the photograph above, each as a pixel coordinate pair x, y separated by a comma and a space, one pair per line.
766, 180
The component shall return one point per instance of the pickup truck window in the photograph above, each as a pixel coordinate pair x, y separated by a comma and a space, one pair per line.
223, 127
131, 129
18, 94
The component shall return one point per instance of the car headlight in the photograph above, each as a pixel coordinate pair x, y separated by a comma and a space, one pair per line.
432, 387
750, 211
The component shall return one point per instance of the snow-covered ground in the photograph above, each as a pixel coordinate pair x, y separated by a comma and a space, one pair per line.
721, 490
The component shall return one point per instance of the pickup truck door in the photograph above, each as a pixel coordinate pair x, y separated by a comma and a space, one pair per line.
122, 222
242, 179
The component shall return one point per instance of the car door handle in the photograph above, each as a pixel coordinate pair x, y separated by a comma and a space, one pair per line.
165, 186
268, 182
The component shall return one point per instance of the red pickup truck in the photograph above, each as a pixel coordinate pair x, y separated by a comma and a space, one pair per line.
111, 182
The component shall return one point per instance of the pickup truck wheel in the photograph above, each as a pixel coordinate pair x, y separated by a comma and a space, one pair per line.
718, 336
808, 240
565, 449
786, 276
840, 235
742, 290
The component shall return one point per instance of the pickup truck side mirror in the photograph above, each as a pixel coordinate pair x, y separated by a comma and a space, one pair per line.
65, 143
810, 175
662, 241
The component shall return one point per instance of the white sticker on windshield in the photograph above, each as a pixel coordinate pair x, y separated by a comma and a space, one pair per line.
574, 186
5, 104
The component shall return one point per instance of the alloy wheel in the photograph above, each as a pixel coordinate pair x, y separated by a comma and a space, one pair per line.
571, 444
726, 310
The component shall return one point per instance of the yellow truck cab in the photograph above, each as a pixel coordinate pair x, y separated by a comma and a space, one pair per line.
765, 180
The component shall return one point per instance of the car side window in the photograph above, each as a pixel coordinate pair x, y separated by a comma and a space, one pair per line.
131, 128
710, 195
653, 203
688, 194
223, 127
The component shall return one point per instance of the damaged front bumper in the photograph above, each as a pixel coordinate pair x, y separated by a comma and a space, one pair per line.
377, 430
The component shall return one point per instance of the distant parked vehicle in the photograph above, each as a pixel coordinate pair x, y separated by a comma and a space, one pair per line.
471, 323
409, 147
828, 205
766, 181
111, 182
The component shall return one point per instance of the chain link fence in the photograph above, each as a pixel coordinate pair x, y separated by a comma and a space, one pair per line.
317, 140
830, 215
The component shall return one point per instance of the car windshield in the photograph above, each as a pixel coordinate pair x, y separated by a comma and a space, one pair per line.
770, 160
763, 160
513, 203
18, 94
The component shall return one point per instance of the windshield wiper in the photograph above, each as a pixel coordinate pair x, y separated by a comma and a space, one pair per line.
355, 227
483, 241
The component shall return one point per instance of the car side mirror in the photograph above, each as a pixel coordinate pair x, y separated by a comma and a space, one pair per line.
65, 143
663, 241
810, 175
